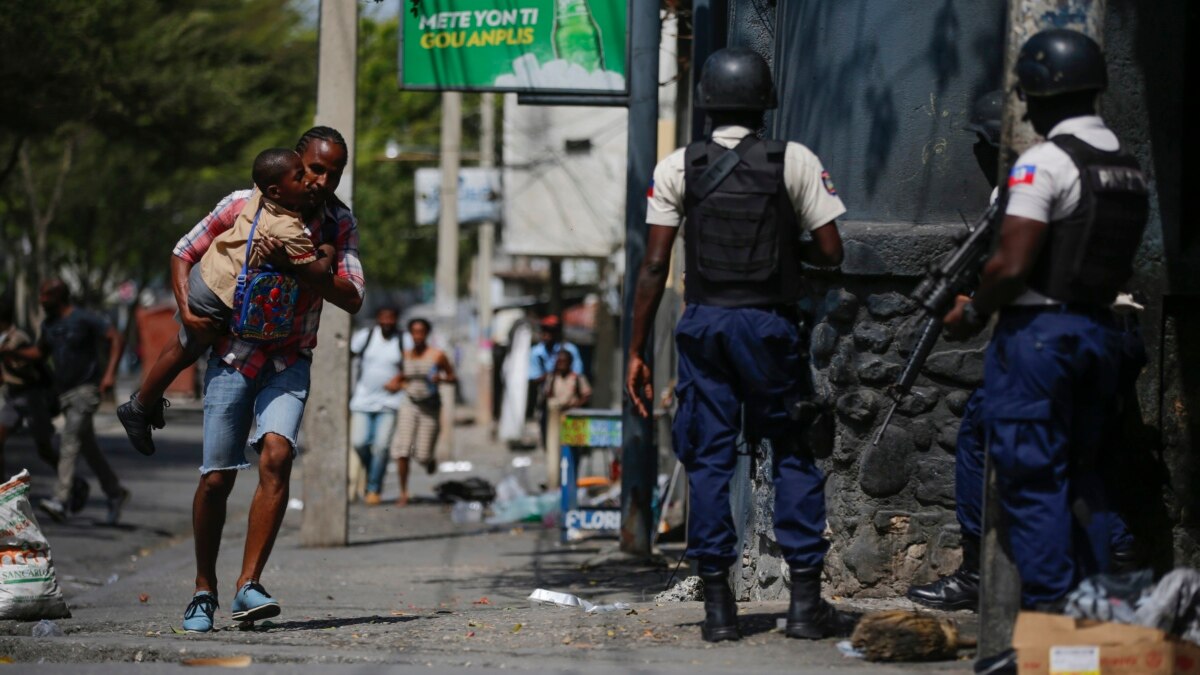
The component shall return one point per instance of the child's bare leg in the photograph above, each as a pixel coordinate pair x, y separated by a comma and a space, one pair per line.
171, 362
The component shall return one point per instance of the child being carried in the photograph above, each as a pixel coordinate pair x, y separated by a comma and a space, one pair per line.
278, 198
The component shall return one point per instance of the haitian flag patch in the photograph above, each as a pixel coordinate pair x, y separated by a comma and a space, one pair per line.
828, 183
650, 190
1022, 175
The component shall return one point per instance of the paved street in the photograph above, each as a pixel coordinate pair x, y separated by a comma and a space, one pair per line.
413, 590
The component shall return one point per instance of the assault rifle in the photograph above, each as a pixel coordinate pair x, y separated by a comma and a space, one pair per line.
955, 275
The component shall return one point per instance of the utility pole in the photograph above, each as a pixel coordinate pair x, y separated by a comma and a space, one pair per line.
639, 459
487, 250
327, 422
446, 290
446, 281
1000, 593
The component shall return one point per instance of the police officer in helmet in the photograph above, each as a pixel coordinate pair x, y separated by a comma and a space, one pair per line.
1075, 209
743, 203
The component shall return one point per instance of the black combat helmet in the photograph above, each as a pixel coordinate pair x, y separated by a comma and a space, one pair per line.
735, 78
985, 116
1060, 61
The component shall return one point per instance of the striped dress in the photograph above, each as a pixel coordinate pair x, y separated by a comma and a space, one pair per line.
417, 423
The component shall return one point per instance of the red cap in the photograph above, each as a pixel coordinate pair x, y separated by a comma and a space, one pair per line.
550, 322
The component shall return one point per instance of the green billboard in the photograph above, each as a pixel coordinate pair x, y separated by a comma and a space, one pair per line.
551, 46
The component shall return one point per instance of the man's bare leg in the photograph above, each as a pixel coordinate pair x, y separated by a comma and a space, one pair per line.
208, 520
268, 507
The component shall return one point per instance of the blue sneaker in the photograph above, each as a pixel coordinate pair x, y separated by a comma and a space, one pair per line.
198, 617
253, 603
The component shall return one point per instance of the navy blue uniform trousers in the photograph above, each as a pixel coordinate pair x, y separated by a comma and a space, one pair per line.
1050, 378
744, 365
968, 474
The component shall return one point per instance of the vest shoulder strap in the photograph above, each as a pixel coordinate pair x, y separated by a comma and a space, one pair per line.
776, 151
709, 175
1081, 152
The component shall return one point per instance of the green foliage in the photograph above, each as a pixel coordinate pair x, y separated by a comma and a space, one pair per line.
149, 111
159, 105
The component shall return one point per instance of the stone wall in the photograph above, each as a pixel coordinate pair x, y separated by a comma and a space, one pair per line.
890, 507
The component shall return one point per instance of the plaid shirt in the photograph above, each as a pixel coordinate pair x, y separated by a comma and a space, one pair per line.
248, 357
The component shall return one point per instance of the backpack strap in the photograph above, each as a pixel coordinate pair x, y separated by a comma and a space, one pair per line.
249, 244
370, 334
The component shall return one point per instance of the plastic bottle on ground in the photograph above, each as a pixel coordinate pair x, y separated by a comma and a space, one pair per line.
46, 628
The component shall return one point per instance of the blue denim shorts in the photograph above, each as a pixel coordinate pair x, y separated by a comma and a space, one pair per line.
273, 401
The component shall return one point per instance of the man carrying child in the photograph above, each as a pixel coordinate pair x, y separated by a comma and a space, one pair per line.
264, 383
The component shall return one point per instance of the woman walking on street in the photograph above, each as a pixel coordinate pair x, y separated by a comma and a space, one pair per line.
418, 424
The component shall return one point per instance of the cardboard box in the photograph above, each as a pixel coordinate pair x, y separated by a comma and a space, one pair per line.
1049, 644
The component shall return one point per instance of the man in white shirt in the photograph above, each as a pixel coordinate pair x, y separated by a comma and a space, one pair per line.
378, 360
746, 205
1076, 207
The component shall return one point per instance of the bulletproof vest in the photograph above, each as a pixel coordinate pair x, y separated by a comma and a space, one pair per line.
1088, 256
742, 240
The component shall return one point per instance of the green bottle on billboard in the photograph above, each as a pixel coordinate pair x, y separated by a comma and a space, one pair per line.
576, 36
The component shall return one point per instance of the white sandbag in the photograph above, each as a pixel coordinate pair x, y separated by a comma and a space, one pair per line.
28, 587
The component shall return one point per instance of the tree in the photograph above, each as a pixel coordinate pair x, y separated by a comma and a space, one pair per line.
129, 119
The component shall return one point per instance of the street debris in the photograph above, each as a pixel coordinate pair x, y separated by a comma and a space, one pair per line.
690, 589
28, 586
510, 488
900, 635
295, 504
242, 661
466, 512
143, 598
1111, 597
472, 489
482, 601
528, 508
1174, 605
46, 628
847, 649
542, 596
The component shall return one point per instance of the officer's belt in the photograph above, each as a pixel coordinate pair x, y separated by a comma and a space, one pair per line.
789, 312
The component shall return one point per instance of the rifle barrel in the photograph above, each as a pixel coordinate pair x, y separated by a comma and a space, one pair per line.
929, 337
886, 421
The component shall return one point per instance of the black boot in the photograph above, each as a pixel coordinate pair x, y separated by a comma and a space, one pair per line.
720, 611
809, 616
960, 590
138, 421
1123, 561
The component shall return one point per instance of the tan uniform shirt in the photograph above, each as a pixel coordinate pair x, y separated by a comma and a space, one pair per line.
222, 263
808, 184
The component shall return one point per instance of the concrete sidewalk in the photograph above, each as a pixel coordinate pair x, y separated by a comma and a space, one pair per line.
413, 589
